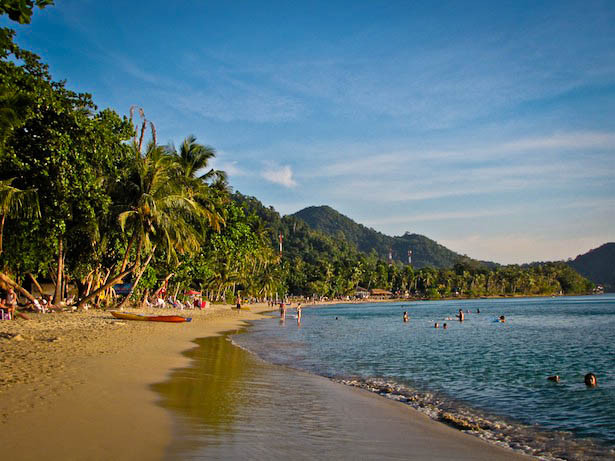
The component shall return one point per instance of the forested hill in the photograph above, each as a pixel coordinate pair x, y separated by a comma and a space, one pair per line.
598, 265
425, 252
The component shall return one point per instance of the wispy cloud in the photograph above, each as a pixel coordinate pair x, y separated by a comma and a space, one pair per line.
282, 175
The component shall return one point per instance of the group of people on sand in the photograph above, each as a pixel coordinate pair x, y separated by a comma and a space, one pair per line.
283, 312
174, 303
42, 304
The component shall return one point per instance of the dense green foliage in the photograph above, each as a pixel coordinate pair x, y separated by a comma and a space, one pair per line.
425, 252
318, 263
598, 265
21, 10
87, 201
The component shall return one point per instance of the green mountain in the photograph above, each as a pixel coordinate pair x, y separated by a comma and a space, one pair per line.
598, 265
425, 252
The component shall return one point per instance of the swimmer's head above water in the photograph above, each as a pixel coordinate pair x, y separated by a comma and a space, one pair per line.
591, 380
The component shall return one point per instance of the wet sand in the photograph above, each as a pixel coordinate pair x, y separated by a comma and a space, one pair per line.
228, 404
79, 386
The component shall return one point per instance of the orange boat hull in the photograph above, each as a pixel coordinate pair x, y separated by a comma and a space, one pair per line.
150, 318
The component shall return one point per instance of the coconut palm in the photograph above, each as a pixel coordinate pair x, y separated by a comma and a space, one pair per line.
210, 188
163, 211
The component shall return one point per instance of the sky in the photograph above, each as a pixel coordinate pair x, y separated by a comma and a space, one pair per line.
486, 126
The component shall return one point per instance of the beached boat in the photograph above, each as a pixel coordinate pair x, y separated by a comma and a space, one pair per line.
150, 318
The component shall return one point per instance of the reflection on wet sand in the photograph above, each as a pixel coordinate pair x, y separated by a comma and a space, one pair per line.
230, 405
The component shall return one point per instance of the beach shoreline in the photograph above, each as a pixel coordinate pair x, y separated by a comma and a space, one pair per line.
78, 385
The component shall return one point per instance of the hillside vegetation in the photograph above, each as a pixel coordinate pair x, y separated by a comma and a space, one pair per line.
598, 265
326, 259
425, 252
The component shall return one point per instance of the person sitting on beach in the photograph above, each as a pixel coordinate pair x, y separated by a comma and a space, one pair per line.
591, 380
406, 318
37, 306
10, 302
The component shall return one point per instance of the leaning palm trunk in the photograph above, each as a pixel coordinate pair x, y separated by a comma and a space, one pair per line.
36, 284
166, 279
11, 283
136, 282
107, 285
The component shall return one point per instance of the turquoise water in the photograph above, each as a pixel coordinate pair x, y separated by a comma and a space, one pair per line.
488, 371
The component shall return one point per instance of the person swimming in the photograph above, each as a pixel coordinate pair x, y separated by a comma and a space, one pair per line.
591, 380
444, 326
502, 319
437, 325
554, 378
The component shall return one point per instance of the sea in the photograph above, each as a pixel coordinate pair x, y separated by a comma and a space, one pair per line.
482, 376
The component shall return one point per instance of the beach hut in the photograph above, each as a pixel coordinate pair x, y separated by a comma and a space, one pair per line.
361, 293
380, 293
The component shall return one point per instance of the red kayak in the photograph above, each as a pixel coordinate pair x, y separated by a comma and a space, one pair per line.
151, 318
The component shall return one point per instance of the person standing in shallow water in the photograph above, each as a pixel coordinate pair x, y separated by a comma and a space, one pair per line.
406, 318
299, 309
460, 315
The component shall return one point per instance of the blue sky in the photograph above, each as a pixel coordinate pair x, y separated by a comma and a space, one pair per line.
487, 126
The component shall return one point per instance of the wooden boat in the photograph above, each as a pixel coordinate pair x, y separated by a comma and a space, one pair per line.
150, 318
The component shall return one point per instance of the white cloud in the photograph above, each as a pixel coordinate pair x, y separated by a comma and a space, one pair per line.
282, 175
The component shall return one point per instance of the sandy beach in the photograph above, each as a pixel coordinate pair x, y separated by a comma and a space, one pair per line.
77, 386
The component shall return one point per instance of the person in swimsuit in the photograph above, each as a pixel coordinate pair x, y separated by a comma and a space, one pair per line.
299, 309
591, 380
282, 311
460, 315
406, 318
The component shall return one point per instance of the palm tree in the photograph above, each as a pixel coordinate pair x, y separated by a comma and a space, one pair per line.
164, 210
16, 202
210, 188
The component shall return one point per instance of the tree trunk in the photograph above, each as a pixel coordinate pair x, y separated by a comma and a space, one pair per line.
2, 219
127, 254
57, 296
136, 281
6, 279
36, 284
110, 283
166, 279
